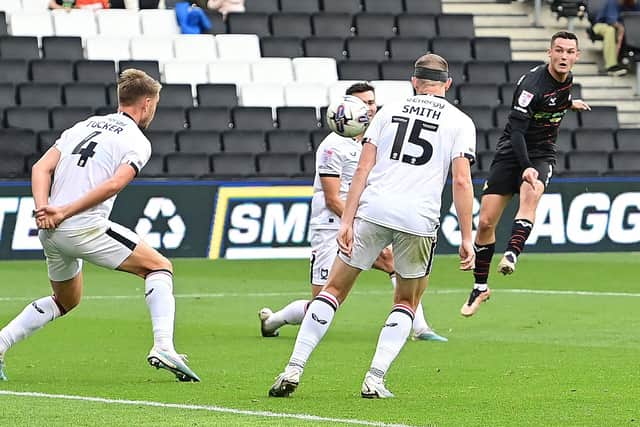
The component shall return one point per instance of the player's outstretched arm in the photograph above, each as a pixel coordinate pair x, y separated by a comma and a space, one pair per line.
580, 105
462, 189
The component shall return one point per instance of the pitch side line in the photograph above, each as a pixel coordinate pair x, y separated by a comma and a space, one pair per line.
208, 408
297, 294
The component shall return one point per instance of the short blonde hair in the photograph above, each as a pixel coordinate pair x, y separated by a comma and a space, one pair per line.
432, 61
133, 85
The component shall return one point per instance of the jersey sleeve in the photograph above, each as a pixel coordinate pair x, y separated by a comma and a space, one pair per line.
465, 141
374, 130
138, 154
525, 98
329, 161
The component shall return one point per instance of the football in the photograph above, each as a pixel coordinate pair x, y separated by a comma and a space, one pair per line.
348, 116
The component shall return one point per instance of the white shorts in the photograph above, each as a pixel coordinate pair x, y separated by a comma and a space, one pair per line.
324, 249
106, 245
412, 255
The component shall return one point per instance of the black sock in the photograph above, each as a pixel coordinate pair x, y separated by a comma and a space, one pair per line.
519, 234
484, 253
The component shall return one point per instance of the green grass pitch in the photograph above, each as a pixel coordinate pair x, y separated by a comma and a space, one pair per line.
558, 358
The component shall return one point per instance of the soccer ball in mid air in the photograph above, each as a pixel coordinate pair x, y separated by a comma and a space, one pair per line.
348, 116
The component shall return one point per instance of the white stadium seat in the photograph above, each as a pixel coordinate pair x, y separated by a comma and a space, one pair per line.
159, 22
237, 72
272, 70
111, 48
186, 72
118, 22
315, 70
10, 6
391, 90
31, 23
305, 95
74, 22
152, 48
337, 89
34, 5
195, 47
238, 46
261, 95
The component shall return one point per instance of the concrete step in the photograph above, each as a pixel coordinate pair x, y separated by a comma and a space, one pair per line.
527, 32
589, 68
505, 21
605, 81
484, 8
530, 44
616, 93
629, 117
624, 105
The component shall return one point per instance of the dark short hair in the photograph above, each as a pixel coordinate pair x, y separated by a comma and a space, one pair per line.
359, 88
564, 35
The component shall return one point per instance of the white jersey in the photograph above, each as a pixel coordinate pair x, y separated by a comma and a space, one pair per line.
336, 156
91, 151
416, 139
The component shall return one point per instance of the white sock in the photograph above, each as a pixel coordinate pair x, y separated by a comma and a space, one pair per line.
419, 322
291, 314
315, 324
480, 286
33, 317
158, 292
392, 338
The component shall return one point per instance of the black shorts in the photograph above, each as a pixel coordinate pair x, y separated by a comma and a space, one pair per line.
505, 175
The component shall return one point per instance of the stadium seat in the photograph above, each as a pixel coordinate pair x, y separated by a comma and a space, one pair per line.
46, 139
264, 6
315, 70
52, 71
65, 117
159, 22
367, 49
152, 48
493, 72
576, 91
13, 71
272, 70
493, 136
3, 23
35, 5
249, 23
455, 25
187, 165
325, 47
199, 141
7, 97
176, 95
291, 25
393, 7
218, 24
412, 25
471, 95
162, 141
506, 92
154, 167
112, 96
317, 136
195, 47
74, 22
299, 6
564, 141
252, 118
336, 92
91, 95
396, 70
34, 118
217, 95
375, 25
238, 46
501, 113
118, 22
18, 141
602, 117
305, 94
515, 69
148, 66
262, 94
392, 90
235, 72
278, 164
342, 6
453, 48
332, 25
481, 140
571, 120
281, 47
628, 139
431, 7
10, 6
169, 118
62, 48
209, 118
108, 48
408, 48
288, 141
95, 71
594, 140
192, 73
34, 23
589, 162
308, 163
457, 74
12, 166
358, 70
233, 165
482, 117
297, 118
492, 49
13, 47
39, 94
244, 141
626, 162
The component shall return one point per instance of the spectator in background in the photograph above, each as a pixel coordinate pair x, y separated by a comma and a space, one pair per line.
226, 6
80, 4
609, 25
191, 18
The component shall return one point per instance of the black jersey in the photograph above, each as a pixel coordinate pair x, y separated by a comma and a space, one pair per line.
542, 101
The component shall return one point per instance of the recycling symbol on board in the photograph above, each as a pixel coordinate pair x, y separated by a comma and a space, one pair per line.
161, 208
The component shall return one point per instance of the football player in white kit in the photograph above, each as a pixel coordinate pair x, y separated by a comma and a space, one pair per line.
336, 161
395, 198
74, 186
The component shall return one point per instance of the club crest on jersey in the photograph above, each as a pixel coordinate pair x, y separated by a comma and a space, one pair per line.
525, 98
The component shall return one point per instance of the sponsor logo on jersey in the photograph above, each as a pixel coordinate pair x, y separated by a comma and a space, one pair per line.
525, 98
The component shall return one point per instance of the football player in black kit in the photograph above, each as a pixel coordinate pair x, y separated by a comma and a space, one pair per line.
524, 160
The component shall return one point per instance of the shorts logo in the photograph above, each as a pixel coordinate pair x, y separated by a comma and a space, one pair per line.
324, 273
525, 98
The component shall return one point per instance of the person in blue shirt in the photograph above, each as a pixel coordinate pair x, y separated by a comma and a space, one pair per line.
608, 24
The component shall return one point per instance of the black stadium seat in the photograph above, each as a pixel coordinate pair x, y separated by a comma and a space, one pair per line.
482, 116
249, 23
39, 94
471, 95
169, 118
367, 48
628, 139
3, 23
233, 165
601, 117
493, 72
393, 7
12, 166
288, 141
278, 164
506, 93
162, 141
95, 71
501, 114
308, 161
34, 118
281, 47
150, 67
176, 95
252, 118
429, 7
299, 6
209, 118
453, 48
492, 49
397, 70
358, 70
62, 48
589, 162
408, 49
186, 164
325, 47
291, 25
18, 141
564, 141
92, 95
52, 71
218, 24
456, 25
154, 167
199, 141
626, 162
19, 47
7, 96
297, 118
13, 71
332, 25
262, 6
46, 139
375, 25
65, 117
217, 95
244, 141
317, 136
594, 140
412, 25
342, 6
515, 69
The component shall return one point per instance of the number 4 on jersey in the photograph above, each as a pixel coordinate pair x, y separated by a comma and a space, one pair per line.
86, 152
